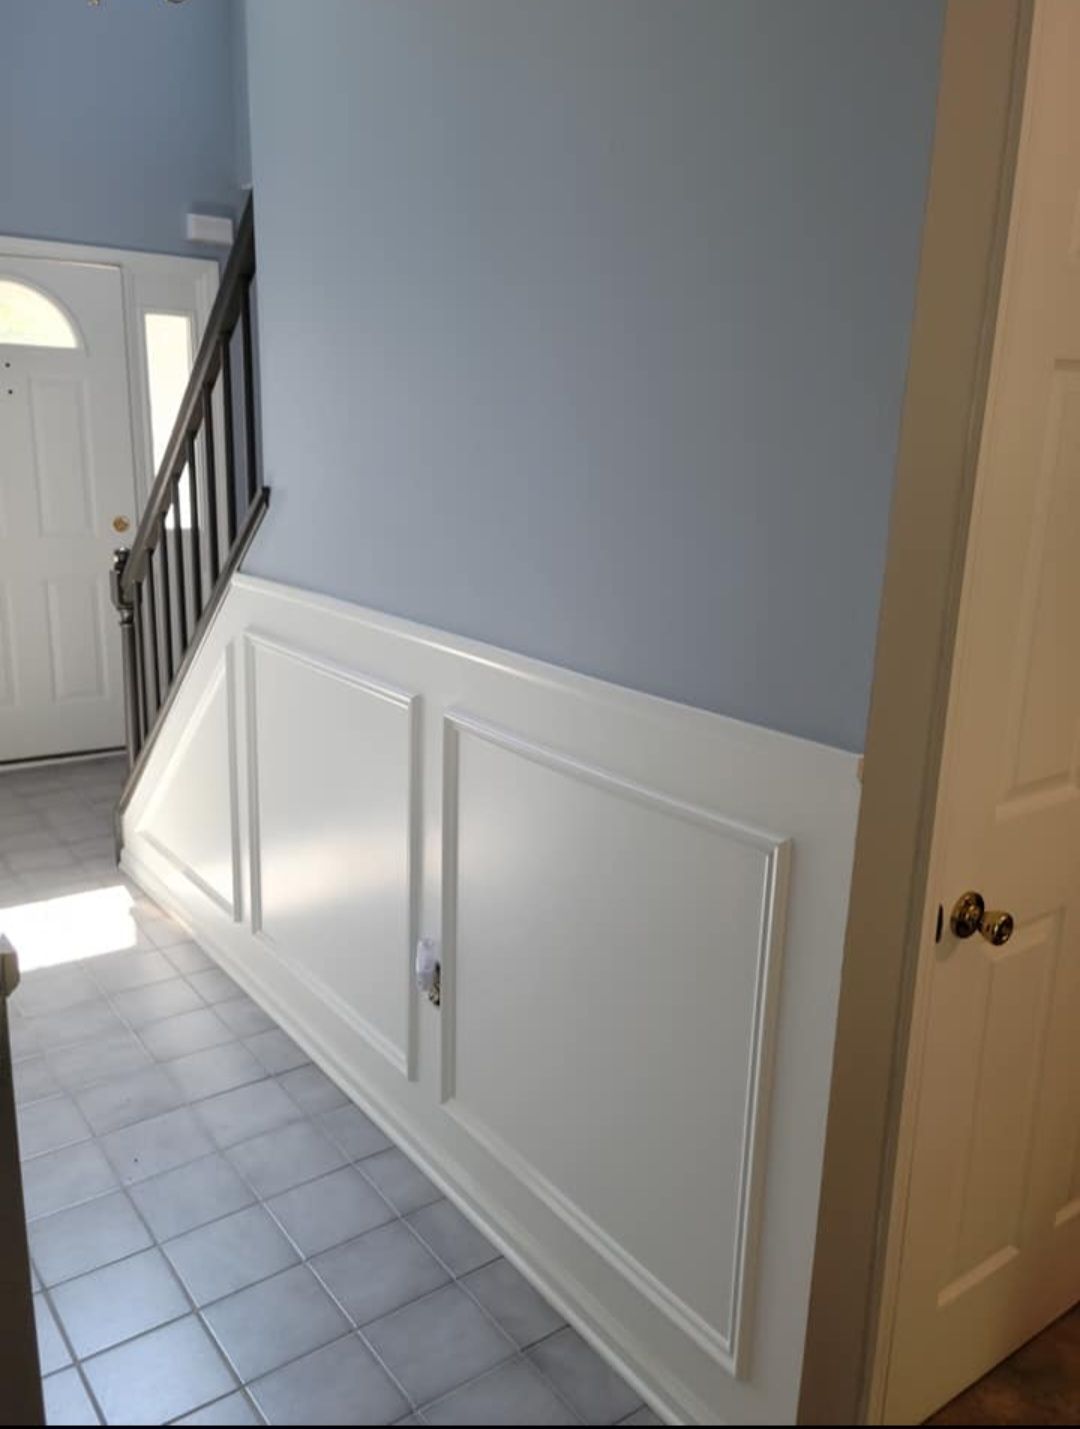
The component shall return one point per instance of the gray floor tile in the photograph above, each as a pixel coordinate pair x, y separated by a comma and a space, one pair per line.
278, 1320
188, 957
33, 1079
593, 1390
312, 1090
234, 1409
227, 1255
509, 1298
66, 1178
244, 1016
53, 990
246, 1112
140, 1005
355, 1133
76, 1024
156, 1145
24, 1038
47, 1125
642, 1416
53, 1354
34, 860
217, 1069
86, 1063
277, 1051
117, 972
455, 1240
404, 1185
283, 1158
85, 1237
118, 1302
512, 1394
163, 931
333, 1209
180, 1200
66, 1400
341, 1383
160, 1375
189, 1032
214, 985
438, 1343
98, 846
380, 1271
125, 1100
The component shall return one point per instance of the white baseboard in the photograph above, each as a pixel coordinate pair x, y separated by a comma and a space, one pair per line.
640, 909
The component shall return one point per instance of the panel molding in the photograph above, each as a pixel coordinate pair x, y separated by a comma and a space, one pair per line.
786, 809
401, 1059
223, 674
731, 1349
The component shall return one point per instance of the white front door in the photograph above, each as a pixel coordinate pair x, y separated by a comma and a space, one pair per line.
66, 475
989, 1187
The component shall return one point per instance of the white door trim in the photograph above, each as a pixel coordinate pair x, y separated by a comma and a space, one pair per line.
983, 68
159, 282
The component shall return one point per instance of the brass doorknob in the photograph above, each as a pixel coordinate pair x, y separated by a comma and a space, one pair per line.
120, 524
970, 915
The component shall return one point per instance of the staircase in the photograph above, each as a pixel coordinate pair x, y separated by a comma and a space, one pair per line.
205, 505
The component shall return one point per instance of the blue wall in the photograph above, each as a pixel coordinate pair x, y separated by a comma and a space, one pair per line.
584, 326
116, 119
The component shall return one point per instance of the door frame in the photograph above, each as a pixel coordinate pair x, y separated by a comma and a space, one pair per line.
150, 282
984, 55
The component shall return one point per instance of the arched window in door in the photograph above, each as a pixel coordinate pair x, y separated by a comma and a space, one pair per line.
28, 318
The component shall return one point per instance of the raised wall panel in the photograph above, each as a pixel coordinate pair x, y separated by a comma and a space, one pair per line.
611, 959
331, 768
192, 817
62, 472
76, 624
7, 652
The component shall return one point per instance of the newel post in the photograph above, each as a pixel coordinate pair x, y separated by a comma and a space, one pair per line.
125, 609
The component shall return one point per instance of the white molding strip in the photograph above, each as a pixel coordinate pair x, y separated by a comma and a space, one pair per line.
641, 909
729, 1349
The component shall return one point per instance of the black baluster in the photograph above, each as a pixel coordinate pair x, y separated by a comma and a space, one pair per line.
166, 605
249, 390
196, 534
140, 663
151, 612
126, 611
181, 578
230, 446
211, 483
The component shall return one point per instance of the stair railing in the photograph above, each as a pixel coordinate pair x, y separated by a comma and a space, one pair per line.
203, 509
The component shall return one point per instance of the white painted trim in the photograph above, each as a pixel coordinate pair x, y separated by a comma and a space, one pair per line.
402, 699
792, 802
730, 1351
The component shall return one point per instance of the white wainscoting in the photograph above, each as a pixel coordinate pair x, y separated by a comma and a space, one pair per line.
640, 910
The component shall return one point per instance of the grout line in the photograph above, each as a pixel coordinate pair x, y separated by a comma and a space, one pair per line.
314, 1119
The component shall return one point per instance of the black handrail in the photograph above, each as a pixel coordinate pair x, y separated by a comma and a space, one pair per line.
232, 297
160, 635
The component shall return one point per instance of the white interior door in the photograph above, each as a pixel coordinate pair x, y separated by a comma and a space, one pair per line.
989, 1200
66, 475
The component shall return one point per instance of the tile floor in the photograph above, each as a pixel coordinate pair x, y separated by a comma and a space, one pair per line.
218, 1235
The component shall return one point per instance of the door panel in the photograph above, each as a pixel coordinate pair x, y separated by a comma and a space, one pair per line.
991, 1247
66, 454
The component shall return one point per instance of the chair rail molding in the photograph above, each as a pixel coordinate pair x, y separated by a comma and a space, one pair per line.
640, 913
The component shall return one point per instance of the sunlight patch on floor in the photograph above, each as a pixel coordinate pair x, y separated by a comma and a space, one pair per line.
53, 931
